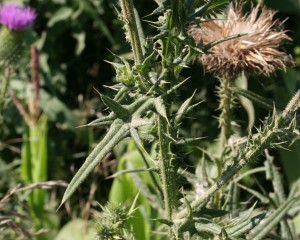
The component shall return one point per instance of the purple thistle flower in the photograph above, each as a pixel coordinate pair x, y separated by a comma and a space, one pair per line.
16, 17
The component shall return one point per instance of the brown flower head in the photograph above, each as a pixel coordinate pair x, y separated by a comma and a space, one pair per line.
256, 52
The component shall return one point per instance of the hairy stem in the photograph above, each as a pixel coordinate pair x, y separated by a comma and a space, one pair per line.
132, 30
166, 168
225, 94
264, 140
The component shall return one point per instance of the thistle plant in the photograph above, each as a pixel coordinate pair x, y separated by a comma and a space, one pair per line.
257, 52
14, 19
143, 110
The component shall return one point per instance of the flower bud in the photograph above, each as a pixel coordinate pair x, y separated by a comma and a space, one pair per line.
14, 19
10, 46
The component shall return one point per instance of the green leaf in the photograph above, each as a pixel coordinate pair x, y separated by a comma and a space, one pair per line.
117, 132
244, 216
208, 46
212, 213
208, 227
39, 161
103, 121
135, 136
245, 226
116, 107
75, 230
261, 230
124, 191
62, 14
259, 100
204, 7
183, 109
257, 194
80, 38
140, 31
200, 11
160, 108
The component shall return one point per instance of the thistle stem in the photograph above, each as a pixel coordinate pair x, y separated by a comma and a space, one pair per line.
132, 29
166, 168
225, 94
265, 140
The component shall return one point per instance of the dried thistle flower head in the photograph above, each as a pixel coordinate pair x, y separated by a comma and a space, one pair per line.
256, 52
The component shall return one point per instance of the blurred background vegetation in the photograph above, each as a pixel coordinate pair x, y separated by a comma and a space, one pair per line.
75, 38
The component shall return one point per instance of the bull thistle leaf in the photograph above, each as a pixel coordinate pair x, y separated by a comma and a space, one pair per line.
257, 99
117, 132
117, 108
261, 230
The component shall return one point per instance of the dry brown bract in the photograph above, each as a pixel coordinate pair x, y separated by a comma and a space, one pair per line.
257, 52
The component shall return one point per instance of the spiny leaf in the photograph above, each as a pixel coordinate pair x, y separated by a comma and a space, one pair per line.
122, 172
261, 230
212, 213
133, 208
200, 11
186, 141
190, 108
173, 89
103, 121
116, 65
146, 62
208, 227
140, 31
259, 100
218, 5
214, 43
117, 132
207, 7
257, 194
137, 103
245, 216
183, 108
116, 107
245, 226
135, 136
160, 108
121, 93
138, 122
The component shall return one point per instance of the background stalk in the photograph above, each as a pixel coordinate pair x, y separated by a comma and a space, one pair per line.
4, 88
